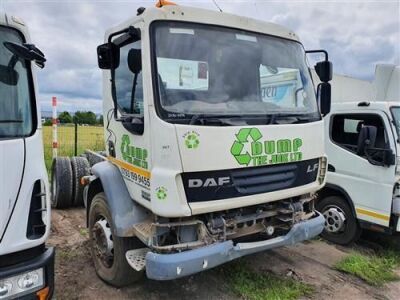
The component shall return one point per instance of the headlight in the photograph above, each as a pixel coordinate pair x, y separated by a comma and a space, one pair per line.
21, 284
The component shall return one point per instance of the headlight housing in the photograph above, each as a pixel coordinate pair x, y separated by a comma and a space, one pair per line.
21, 284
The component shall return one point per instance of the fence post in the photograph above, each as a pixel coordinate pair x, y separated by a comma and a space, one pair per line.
54, 125
76, 138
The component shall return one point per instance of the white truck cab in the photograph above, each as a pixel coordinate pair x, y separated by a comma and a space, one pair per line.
26, 265
363, 145
215, 143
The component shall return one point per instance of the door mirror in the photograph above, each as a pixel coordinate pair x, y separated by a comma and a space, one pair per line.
8, 75
389, 158
324, 93
366, 139
135, 60
27, 52
108, 56
134, 125
324, 70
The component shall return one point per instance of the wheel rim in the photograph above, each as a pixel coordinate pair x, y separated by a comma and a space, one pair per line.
335, 219
103, 245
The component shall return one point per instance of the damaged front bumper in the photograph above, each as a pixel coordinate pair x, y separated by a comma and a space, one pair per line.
172, 266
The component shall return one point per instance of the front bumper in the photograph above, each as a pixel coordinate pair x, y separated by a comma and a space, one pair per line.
172, 266
45, 260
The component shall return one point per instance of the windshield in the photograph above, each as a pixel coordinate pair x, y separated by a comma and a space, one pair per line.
15, 96
208, 70
396, 118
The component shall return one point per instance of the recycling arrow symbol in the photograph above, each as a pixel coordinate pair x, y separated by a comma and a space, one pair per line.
242, 137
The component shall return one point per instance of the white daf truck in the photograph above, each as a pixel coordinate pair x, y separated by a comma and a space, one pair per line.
205, 161
363, 145
26, 265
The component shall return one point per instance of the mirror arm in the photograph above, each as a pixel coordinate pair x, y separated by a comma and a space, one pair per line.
319, 51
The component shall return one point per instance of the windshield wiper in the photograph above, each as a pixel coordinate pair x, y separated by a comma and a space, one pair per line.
11, 121
298, 118
222, 119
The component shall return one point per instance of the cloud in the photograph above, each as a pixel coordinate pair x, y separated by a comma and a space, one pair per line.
356, 34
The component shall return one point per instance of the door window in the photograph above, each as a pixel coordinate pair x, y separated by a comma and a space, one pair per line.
16, 97
129, 96
345, 130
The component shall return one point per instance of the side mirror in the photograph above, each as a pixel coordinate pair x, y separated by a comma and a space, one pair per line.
135, 60
134, 125
8, 75
27, 52
108, 56
324, 92
324, 70
389, 158
366, 139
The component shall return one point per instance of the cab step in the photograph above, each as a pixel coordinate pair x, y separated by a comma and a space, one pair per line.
137, 258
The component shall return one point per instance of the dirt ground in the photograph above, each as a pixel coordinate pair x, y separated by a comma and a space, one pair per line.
310, 262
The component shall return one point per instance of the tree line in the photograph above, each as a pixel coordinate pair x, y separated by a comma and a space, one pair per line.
80, 117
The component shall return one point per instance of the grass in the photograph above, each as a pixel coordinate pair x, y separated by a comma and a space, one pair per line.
252, 285
375, 269
89, 137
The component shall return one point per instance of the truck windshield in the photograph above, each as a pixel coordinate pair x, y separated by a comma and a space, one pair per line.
206, 71
15, 94
396, 118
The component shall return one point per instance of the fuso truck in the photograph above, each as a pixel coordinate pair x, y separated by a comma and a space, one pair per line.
214, 142
363, 145
26, 265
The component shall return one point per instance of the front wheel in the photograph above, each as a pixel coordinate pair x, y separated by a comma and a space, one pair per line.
341, 226
107, 250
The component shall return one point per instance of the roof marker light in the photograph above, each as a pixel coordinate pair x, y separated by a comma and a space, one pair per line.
162, 3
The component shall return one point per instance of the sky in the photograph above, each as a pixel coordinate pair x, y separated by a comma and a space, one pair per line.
357, 34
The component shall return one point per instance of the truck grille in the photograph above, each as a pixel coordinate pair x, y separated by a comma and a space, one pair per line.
264, 179
224, 184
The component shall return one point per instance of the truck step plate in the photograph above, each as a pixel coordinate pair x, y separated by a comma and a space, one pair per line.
137, 258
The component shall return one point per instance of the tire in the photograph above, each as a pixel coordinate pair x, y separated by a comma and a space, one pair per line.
61, 183
80, 167
114, 270
333, 207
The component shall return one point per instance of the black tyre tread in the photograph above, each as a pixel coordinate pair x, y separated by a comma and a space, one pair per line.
93, 159
80, 167
352, 232
62, 170
121, 273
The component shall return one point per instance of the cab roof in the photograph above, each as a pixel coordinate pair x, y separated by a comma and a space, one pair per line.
205, 16
364, 105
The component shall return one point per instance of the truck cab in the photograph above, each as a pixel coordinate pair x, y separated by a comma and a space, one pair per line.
363, 146
26, 265
214, 144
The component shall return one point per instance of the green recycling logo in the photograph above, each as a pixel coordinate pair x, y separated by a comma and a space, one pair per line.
161, 193
242, 137
265, 152
192, 140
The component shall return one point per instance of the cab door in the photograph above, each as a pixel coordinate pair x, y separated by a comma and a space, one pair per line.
369, 186
129, 131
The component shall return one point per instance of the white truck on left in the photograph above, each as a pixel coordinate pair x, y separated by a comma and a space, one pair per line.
26, 265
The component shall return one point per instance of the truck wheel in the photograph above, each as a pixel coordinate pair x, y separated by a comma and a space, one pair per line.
108, 251
61, 183
341, 226
80, 167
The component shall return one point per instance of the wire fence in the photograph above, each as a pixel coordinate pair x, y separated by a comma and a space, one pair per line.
73, 140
